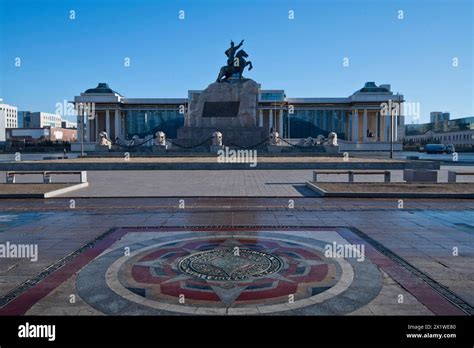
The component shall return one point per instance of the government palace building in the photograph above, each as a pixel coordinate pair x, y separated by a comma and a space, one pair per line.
357, 119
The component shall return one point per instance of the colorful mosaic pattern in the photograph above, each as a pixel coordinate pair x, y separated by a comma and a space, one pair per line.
243, 273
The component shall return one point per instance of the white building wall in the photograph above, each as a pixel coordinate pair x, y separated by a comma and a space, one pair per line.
2, 125
44, 119
8, 119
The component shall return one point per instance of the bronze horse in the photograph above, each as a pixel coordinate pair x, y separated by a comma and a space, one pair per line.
237, 67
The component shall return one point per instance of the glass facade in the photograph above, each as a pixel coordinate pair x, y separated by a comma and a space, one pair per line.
272, 96
465, 123
145, 122
21, 118
311, 123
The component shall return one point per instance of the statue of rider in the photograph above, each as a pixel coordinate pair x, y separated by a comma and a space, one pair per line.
230, 52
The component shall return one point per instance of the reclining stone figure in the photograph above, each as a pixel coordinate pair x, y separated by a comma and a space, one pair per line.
308, 142
147, 141
120, 140
320, 139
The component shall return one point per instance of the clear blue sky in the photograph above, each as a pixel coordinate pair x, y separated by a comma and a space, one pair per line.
61, 57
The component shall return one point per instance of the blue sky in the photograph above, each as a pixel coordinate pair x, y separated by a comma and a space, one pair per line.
61, 57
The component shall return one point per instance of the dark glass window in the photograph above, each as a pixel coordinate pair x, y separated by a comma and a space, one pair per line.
146, 122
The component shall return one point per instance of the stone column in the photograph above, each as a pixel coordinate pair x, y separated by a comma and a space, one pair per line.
260, 118
88, 127
364, 125
270, 120
381, 127
355, 125
96, 127
346, 119
377, 126
107, 123
118, 124
280, 123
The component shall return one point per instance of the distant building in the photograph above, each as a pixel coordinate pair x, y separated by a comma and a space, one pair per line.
439, 117
8, 119
44, 119
68, 124
36, 135
28, 119
24, 119
459, 132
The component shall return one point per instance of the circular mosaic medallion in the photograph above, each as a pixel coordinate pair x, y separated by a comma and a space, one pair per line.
230, 264
245, 273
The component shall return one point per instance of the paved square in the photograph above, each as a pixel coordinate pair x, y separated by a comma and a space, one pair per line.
419, 258
231, 271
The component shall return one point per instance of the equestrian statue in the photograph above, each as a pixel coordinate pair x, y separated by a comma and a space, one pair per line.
236, 62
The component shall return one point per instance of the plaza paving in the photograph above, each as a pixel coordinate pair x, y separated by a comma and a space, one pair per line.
409, 252
206, 183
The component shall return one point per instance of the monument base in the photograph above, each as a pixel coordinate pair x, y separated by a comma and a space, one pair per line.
331, 149
216, 148
102, 148
229, 107
274, 148
159, 148
232, 137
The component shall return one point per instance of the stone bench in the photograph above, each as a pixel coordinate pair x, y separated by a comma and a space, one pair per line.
452, 175
420, 175
11, 176
351, 173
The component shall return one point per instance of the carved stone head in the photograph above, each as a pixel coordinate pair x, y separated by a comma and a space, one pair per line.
217, 138
275, 138
160, 138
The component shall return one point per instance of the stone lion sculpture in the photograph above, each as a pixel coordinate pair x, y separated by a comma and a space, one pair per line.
275, 138
160, 138
104, 140
332, 139
217, 138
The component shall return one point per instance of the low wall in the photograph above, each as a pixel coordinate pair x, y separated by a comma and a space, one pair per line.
368, 146
60, 166
343, 146
88, 147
